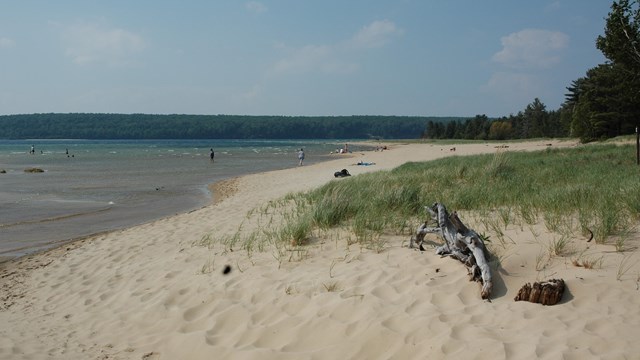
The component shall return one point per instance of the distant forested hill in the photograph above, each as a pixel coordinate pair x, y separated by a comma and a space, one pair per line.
146, 126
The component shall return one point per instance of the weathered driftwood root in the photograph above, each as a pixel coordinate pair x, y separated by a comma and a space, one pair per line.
461, 243
545, 293
418, 239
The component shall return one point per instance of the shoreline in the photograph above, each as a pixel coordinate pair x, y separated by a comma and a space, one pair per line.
38, 234
224, 188
158, 290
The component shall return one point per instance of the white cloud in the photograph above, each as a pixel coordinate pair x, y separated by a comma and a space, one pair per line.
554, 6
6, 43
338, 58
506, 82
302, 60
95, 43
313, 58
513, 87
531, 48
255, 7
376, 34
333, 59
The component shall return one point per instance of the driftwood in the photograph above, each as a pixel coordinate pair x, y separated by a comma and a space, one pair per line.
545, 293
461, 243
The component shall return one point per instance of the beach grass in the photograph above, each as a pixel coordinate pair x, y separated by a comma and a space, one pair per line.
574, 192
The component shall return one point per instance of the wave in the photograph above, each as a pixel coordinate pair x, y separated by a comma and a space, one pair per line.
54, 218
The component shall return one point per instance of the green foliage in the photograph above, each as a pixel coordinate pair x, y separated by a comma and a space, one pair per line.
147, 126
534, 122
500, 130
621, 40
605, 103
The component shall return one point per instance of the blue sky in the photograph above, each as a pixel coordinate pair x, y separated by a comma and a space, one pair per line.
294, 57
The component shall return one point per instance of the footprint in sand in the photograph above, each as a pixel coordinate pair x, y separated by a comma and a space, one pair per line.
151, 356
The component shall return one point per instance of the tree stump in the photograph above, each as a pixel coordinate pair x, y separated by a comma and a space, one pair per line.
545, 293
461, 243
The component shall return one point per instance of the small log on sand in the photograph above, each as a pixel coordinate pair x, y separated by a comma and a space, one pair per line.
461, 243
545, 293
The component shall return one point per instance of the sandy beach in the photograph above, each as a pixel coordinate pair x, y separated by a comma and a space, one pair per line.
152, 292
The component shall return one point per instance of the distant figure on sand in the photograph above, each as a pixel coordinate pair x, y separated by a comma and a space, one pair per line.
300, 157
211, 154
33, 150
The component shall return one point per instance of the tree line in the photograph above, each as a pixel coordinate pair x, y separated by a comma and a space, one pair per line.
604, 103
534, 122
148, 126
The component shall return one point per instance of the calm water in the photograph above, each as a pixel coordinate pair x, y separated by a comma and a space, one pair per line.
104, 185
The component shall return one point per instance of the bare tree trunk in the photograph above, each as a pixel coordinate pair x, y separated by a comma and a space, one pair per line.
461, 243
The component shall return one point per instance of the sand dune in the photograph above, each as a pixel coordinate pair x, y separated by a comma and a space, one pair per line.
150, 292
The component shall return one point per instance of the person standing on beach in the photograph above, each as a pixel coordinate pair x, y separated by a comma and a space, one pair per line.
33, 150
211, 155
300, 157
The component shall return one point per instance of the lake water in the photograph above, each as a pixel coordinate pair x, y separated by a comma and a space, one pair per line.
90, 186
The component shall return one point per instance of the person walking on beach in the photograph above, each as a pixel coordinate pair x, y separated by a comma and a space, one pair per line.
33, 150
211, 155
300, 157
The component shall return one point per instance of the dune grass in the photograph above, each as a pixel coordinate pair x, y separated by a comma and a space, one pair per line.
578, 191
598, 185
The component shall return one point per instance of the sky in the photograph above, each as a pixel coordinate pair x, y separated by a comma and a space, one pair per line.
294, 57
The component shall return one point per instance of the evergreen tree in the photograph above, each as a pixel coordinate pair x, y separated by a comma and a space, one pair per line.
604, 104
535, 118
621, 40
